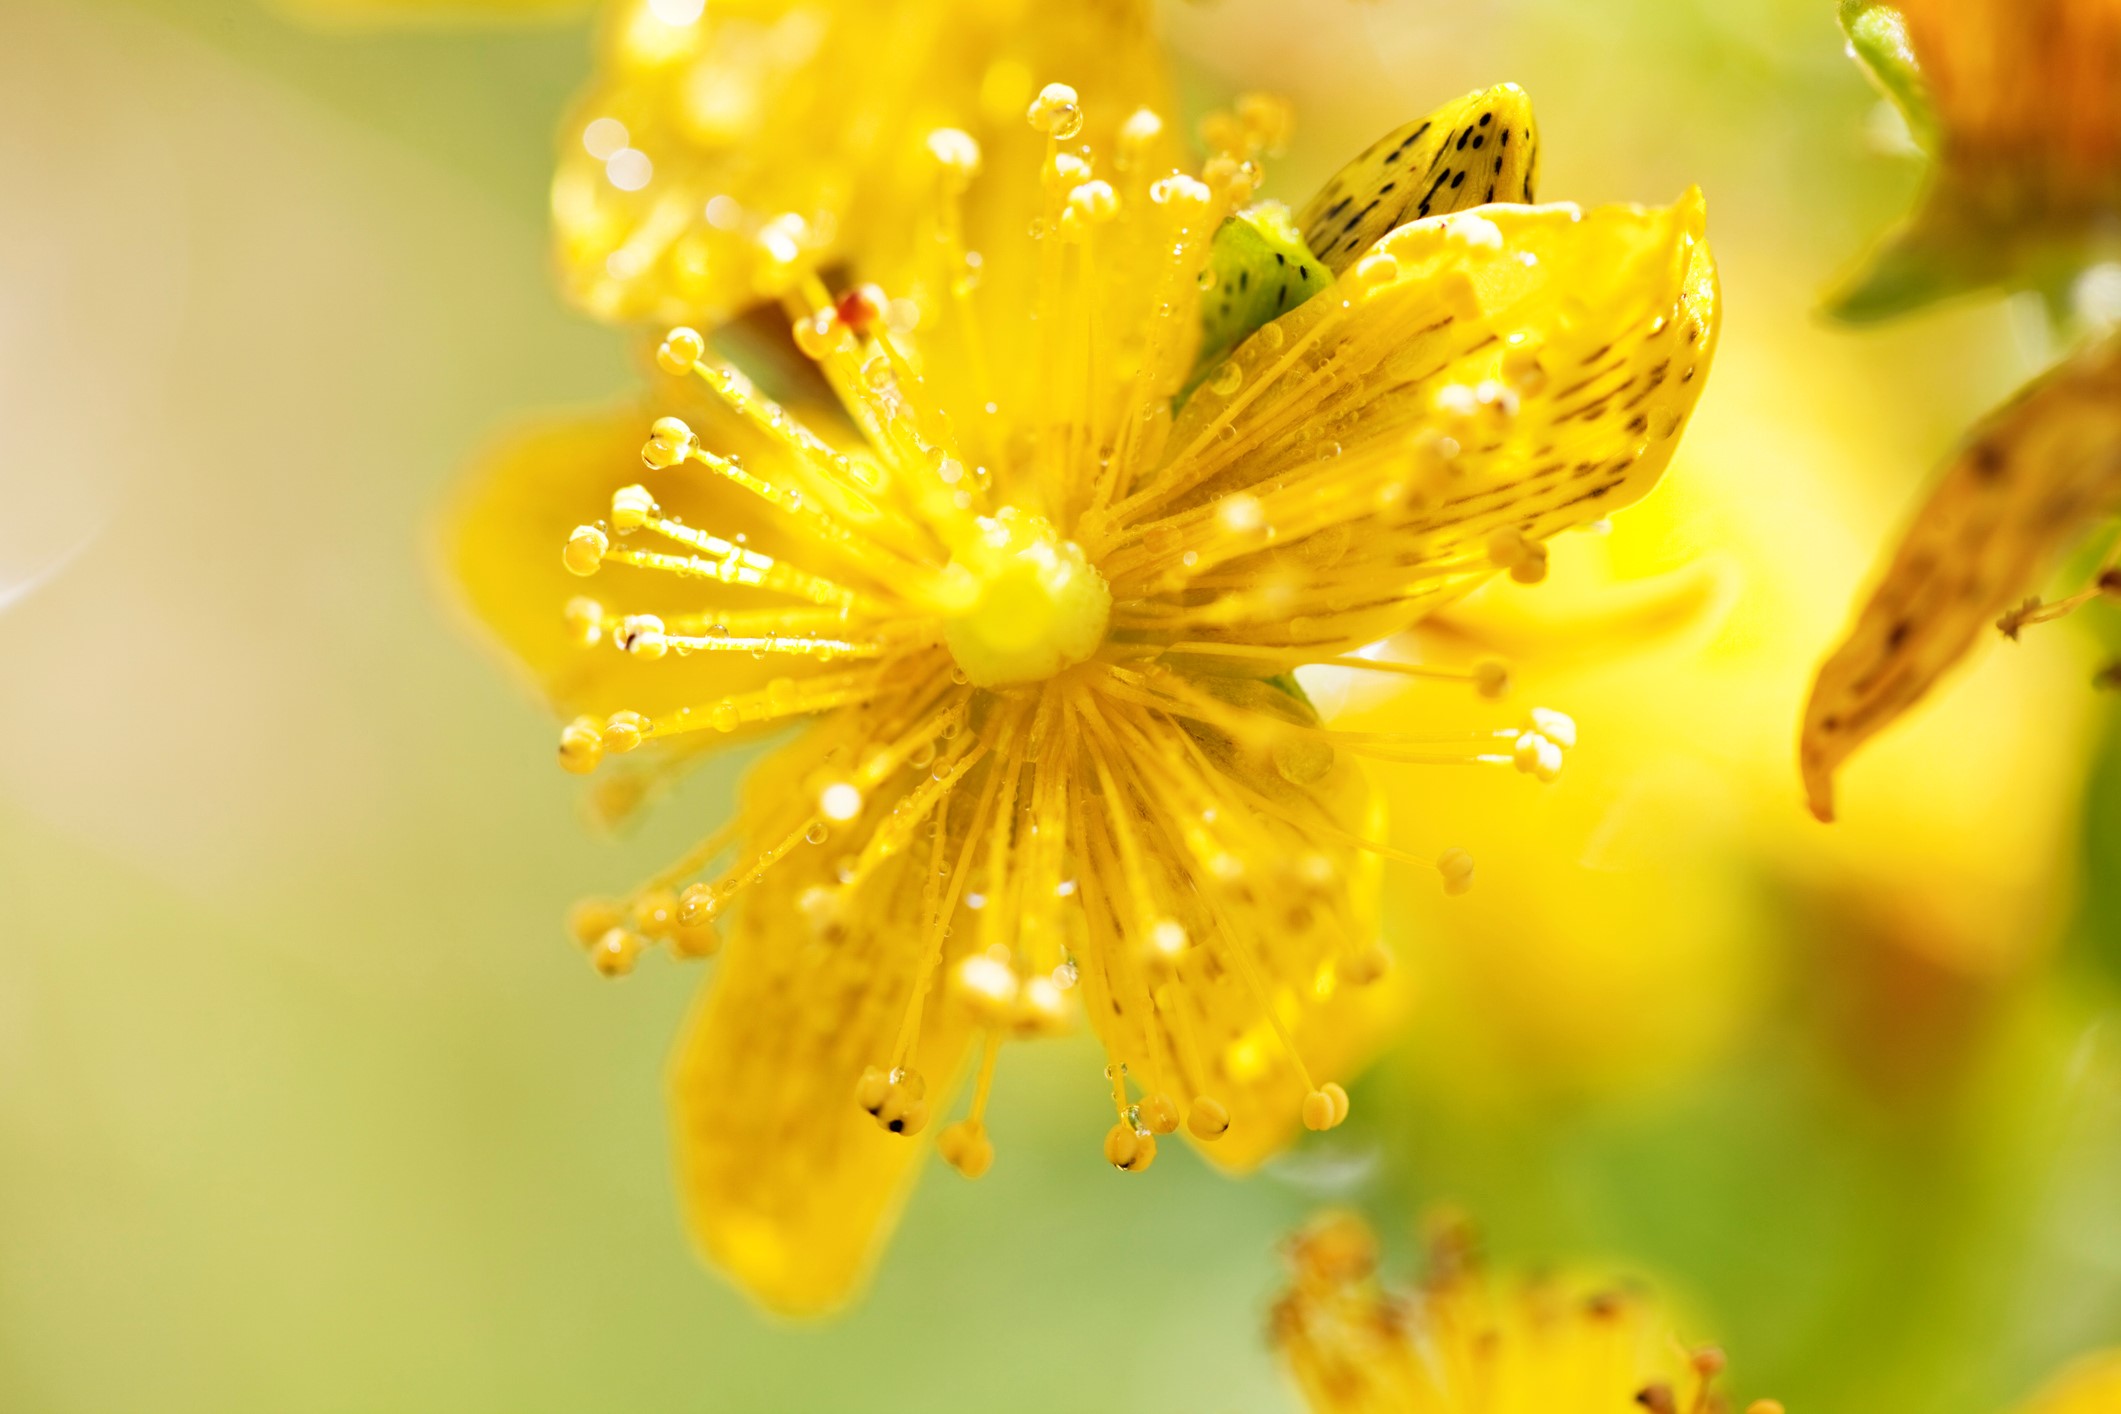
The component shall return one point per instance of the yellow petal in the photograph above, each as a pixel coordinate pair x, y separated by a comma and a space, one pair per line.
787, 1185
502, 540
1481, 148
2032, 476
725, 148
1510, 370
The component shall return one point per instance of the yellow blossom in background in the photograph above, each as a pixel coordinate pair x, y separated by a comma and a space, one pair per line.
1465, 1341
1040, 626
723, 149
2019, 103
2091, 1385
1629, 927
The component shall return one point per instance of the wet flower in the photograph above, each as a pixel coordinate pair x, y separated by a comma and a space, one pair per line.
1039, 594
722, 149
2019, 104
1465, 1341
2032, 478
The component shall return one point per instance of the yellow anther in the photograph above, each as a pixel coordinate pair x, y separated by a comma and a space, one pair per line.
581, 746
1365, 967
817, 335
1040, 606
615, 952
1765, 1406
1321, 1110
1557, 727
680, 350
695, 940
670, 441
642, 636
631, 508
1537, 757
585, 620
1182, 191
1456, 866
592, 918
623, 731
1208, 1118
1094, 202
1491, 679
698, 904
1066, 169
957, 153
1159, 1113
897, 1099
966, 1147
1127, 1150
655, 913
1056, 112
1142, 127
1267, 119
585, 549
1533, 567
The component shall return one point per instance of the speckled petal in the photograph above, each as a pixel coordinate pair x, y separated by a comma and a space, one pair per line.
2030, 480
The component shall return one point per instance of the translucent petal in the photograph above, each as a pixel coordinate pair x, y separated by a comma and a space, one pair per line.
682, 166
2032, 477
1511, 370
786, 1184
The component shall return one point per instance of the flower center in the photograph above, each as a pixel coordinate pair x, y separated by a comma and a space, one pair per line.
1034, 602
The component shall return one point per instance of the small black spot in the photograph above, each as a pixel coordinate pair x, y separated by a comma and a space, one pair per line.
1280, 259
1479, 143
1897, 635
1988, 461
1244, 281
1491, 191
1639, 424
1303, 272
1486, 118
1504, 140
1281, 296
1458, 179
1386, 187
1464, 138
1337, 207
897, 1126
1830, 724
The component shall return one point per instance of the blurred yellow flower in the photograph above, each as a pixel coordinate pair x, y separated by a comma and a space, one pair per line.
2092, 1385
724, 149
1632, 923
2019, 102
1466, 1342
1042, 627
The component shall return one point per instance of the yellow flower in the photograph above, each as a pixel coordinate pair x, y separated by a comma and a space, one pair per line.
2032, 477
1466, 1342
2092, 1385
724, 148
2019, 102
1039, 606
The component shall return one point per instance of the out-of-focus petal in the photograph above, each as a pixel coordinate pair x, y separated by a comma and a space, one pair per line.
2032, 477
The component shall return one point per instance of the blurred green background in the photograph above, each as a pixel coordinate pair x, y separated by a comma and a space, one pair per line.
307, 1104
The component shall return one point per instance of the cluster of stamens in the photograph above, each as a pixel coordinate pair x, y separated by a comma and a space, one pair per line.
1093, 807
